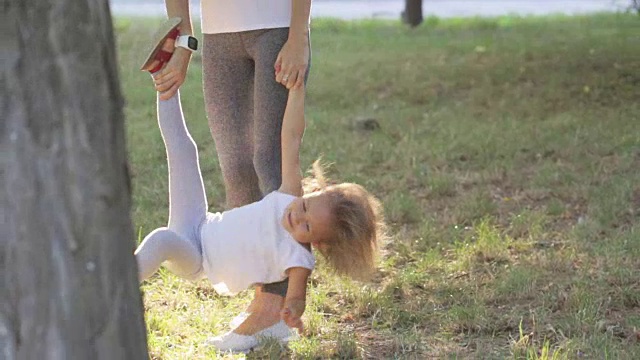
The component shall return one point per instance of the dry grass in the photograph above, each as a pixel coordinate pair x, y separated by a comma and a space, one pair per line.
507, 158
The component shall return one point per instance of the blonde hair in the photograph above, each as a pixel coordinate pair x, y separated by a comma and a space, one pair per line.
359, 225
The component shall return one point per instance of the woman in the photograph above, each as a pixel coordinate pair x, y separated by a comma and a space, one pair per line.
253, 52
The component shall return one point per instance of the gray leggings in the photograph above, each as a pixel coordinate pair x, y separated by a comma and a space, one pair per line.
245, 107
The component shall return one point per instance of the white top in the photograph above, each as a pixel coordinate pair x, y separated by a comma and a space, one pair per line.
223, 16
248, 245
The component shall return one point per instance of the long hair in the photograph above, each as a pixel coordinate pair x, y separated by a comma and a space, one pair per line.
358, 225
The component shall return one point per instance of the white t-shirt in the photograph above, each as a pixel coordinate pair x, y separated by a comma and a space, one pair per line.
248, 245
223, 16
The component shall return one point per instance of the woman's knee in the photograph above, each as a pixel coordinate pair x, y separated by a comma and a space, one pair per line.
268, 169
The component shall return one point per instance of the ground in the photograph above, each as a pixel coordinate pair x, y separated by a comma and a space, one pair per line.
506, 152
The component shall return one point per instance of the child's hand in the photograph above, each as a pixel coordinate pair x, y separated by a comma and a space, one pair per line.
292, 313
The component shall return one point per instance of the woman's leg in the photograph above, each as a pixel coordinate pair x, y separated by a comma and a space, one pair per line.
270, 100
179, 243
228, 82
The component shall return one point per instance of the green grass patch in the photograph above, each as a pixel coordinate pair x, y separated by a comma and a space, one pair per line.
508, 160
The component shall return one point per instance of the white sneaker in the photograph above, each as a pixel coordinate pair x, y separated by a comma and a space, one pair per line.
279, 331
239, 319
245, 343
233, 342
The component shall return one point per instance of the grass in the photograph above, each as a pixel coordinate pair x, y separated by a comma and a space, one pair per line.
508, 161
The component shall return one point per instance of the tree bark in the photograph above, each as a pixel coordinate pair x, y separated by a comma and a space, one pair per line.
412, 14
68, 278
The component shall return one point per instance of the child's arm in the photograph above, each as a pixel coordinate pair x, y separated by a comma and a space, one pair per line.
291, 138
295, 301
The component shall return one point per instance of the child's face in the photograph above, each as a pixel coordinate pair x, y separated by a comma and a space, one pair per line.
308, 219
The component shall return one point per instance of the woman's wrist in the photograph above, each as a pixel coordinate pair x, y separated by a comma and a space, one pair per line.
183, 53
299, 25
298, 36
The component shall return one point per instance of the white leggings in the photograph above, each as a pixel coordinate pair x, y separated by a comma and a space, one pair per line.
179, 243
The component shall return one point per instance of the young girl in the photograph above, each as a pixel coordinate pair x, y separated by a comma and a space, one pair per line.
265, 241
242, 42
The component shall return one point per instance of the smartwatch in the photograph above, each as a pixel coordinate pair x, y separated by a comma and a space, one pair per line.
188, 42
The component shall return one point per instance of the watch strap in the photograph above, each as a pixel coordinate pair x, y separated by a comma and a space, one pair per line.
188, 42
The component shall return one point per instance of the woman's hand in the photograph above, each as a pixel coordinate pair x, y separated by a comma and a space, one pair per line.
292, 312
171, 77
292, 62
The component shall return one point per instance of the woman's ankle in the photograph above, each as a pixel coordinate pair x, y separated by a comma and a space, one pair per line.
268, 302
257, 321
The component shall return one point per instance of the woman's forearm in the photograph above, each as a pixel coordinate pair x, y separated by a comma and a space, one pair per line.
180, 8
299, 27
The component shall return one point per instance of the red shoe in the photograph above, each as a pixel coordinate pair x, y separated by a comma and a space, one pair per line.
163, 45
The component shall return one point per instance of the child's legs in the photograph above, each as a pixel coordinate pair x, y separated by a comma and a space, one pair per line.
179, 244
163, 245
187, 199
228, 83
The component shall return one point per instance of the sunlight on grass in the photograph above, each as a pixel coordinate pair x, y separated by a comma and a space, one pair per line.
507, 155
485, 245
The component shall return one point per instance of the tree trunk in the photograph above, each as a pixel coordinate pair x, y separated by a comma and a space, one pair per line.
68, 278
412, 14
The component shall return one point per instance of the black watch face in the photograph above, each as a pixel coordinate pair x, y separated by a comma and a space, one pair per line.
192, 43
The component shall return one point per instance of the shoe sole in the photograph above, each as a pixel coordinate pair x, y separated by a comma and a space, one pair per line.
158, 40
261, 345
